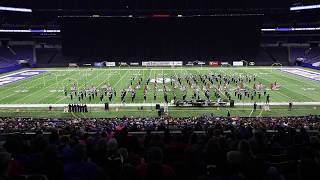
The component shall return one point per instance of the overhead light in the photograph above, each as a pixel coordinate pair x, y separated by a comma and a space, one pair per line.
30, 31
291, 29
298, 8
3, 8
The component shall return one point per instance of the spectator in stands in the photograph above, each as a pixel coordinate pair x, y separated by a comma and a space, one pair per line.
225, 148
5, 159
80, 168
154, 169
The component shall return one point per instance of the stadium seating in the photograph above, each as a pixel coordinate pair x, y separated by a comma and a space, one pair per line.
311, 55
50, 57
9, 57
226, 148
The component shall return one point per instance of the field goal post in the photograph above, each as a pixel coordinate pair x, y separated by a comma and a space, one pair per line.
245, 63
276, 66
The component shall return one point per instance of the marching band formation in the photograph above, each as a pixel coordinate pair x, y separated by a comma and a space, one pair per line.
222, 86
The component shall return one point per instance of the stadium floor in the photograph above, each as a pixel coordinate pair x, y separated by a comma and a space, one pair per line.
39, 87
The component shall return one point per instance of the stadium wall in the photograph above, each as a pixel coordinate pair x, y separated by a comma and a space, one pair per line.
10, 68
307, 65
53, 57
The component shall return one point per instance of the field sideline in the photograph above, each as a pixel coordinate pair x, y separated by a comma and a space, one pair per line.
47, 86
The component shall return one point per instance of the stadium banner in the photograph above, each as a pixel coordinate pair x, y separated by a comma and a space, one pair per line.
98, 64
162, 63
214, 63
224, 63
123, 64
252, 63
73, 65
237, 63
201, 63
134, 64
110, 64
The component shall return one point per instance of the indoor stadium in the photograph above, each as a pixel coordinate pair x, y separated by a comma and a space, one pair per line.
180, 89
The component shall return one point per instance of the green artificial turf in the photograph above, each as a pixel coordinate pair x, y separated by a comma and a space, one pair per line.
48, 88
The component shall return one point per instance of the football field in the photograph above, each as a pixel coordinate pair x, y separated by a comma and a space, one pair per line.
52, 86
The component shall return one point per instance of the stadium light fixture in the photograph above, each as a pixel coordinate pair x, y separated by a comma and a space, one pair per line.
290, 29
58, 31
29, 31
3, 8
298, 8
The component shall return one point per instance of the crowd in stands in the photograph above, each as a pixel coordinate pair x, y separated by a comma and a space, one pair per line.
206, 148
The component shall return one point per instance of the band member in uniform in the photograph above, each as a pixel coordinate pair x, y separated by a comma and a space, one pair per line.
165, 95
110, 95
207, 94
133, 95
65, 91
144, 96
268, 98
184, 92
123, 94
174, 94
155, 94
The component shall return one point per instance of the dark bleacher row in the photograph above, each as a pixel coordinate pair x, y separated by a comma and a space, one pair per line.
10, 55
54, 57
309, 54
197, 148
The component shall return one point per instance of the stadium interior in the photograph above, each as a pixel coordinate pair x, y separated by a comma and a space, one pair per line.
159, 89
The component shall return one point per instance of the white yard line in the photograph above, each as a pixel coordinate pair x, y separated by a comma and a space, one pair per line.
35, 92
31, 79
49, 94
150, 105
278, 91
303, 82
80, 86
12, 74
251, 113
260, 113
309, 82
22, 84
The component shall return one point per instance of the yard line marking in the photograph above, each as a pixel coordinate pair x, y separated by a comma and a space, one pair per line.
292, 99
35, 92
36, 80
11, 74
22, 82
251, 113
51, 94
260, 114
83, 84
294, 92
